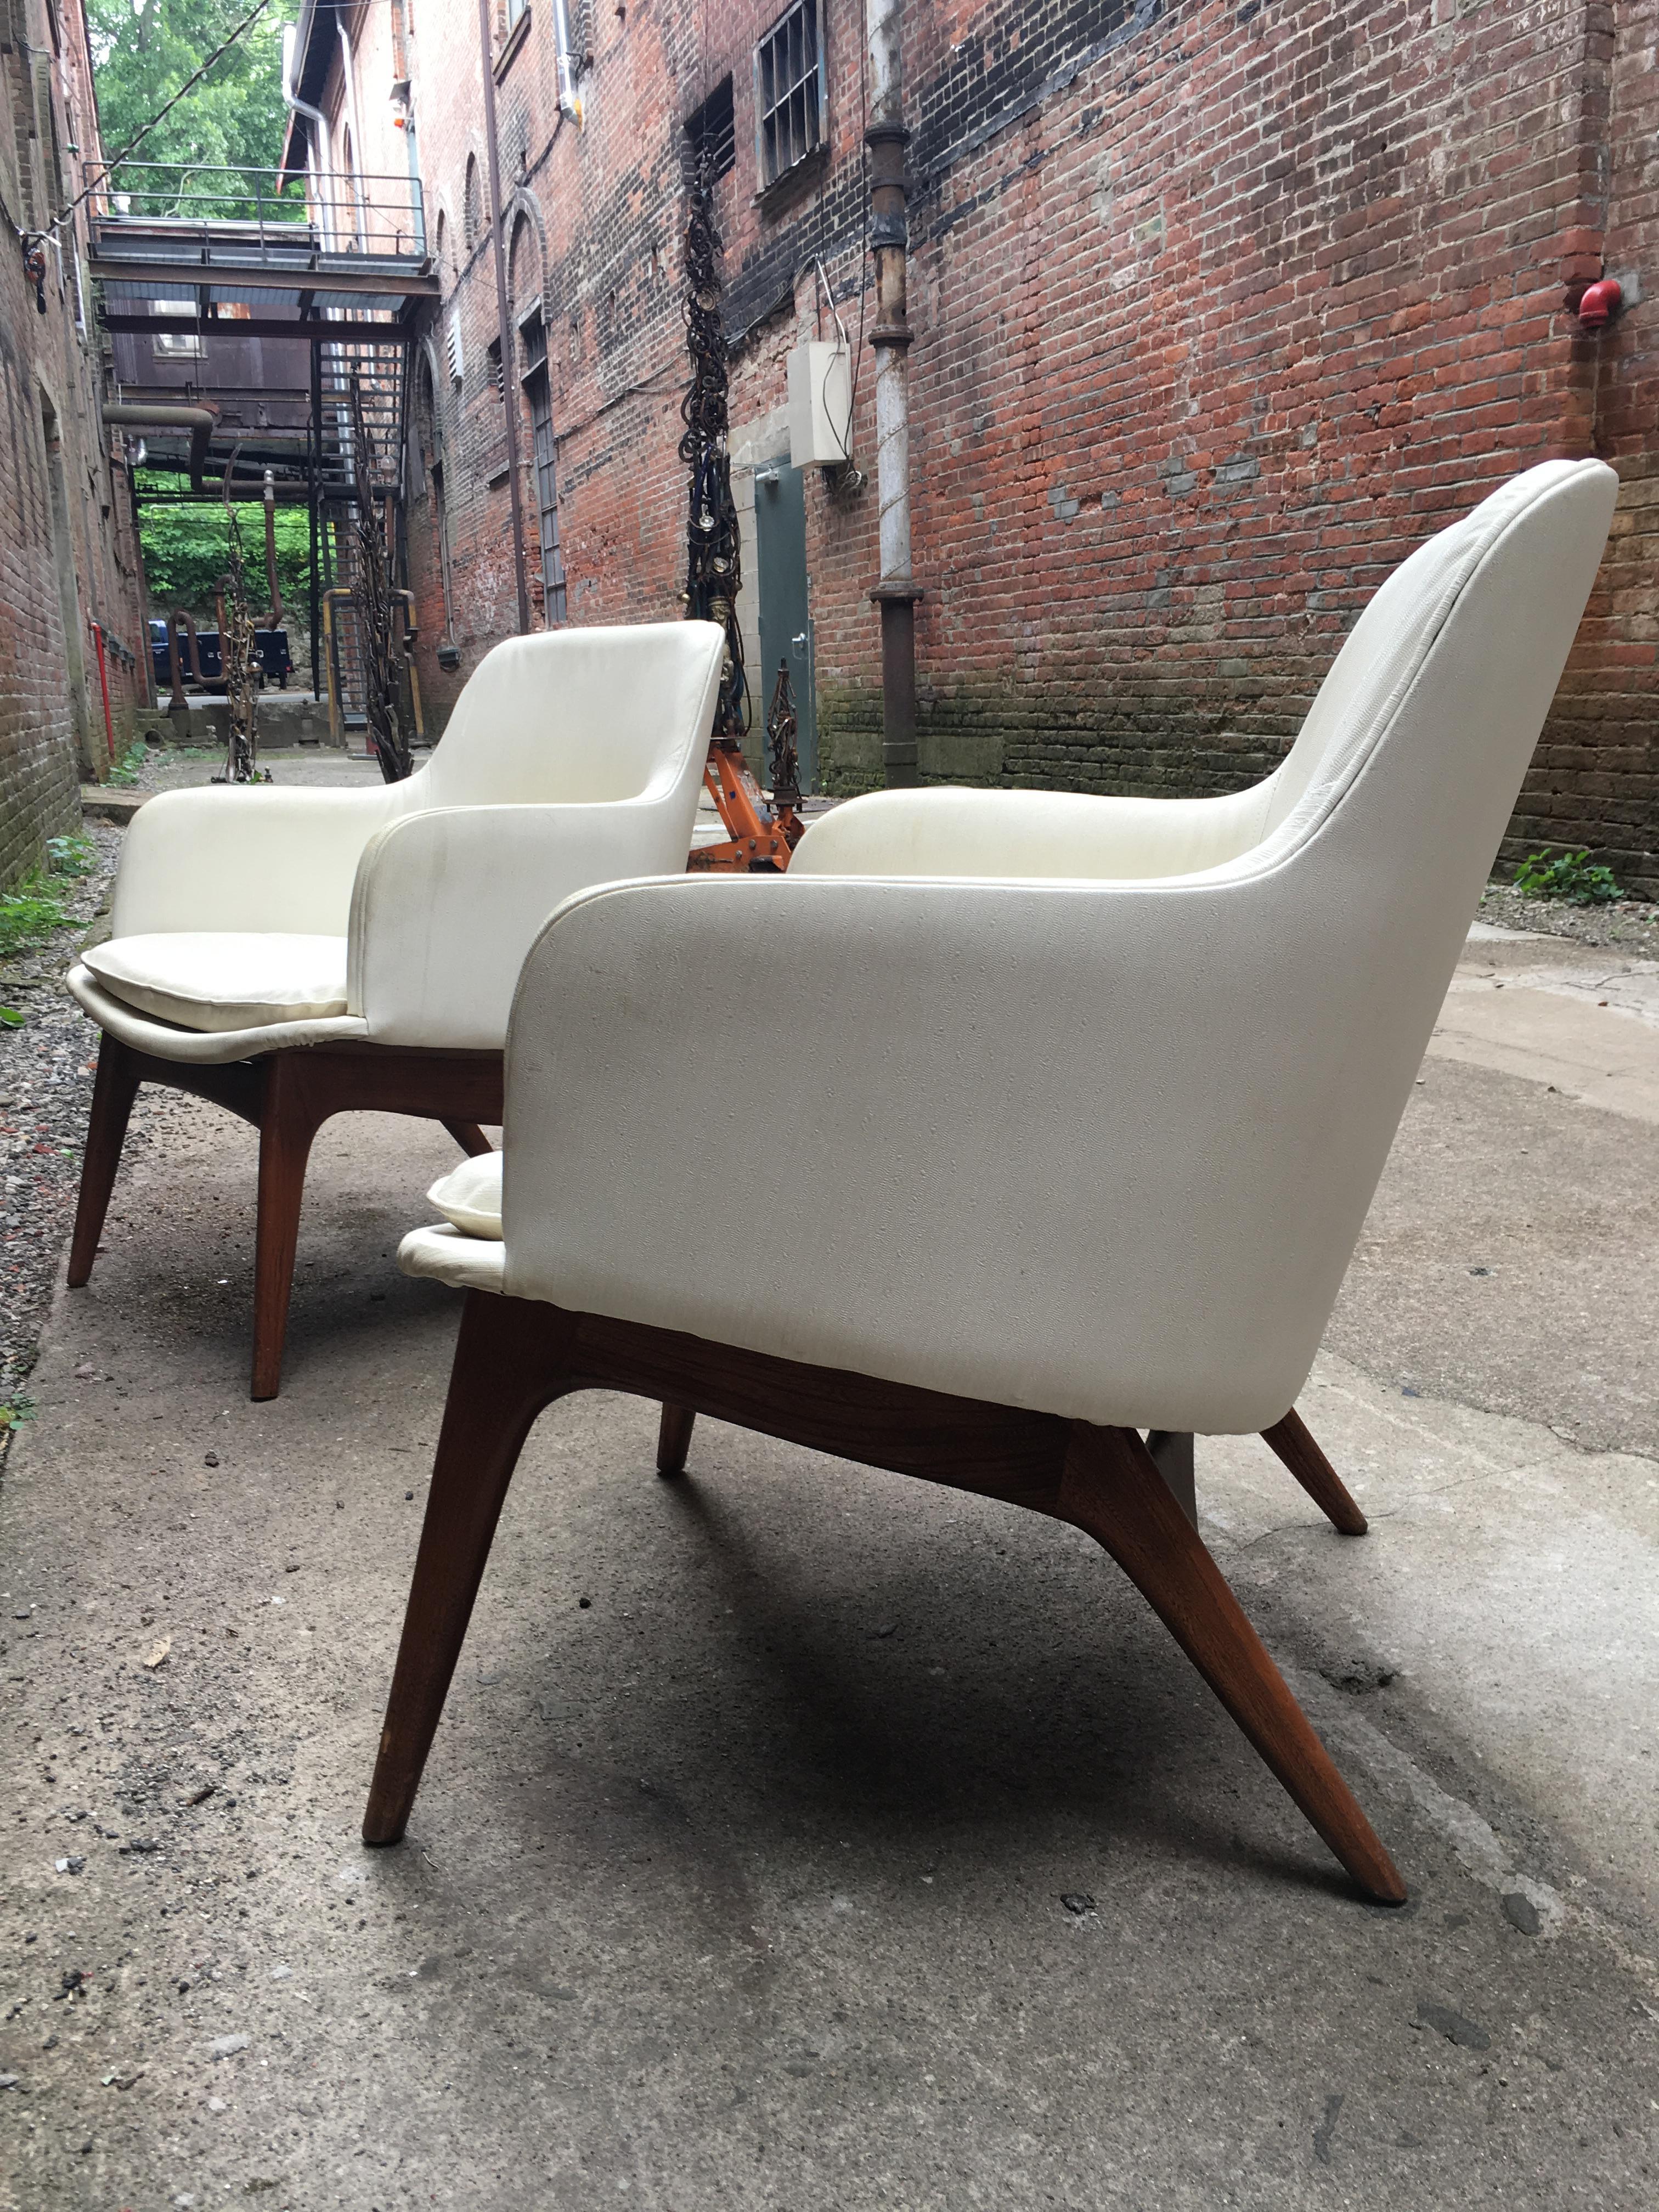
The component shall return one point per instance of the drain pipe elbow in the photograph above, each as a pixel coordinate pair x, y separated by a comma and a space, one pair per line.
200, 421
318, 122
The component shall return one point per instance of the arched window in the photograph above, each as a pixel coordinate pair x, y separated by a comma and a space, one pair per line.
524, 265
472, 205
443, 266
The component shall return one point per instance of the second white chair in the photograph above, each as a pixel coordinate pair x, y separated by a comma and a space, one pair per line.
294, 953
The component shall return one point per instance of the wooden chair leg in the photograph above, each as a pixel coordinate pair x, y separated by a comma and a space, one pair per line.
469, 1136
1297, 1449
113, 1091
508, 1365
288, 1121
674, 1439
1111, 1489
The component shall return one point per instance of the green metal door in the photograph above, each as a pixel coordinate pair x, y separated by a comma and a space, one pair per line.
786, 627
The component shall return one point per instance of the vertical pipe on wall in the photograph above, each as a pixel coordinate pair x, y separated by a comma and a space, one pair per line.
895, 593
565, 61
348, 79
509, 382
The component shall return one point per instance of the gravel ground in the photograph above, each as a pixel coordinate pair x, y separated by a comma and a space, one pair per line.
46, 1091
1629, 922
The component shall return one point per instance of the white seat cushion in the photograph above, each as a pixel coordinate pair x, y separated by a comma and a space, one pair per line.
224, 980
470, 1196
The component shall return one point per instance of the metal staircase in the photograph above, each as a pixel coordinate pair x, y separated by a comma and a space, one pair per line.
223, 286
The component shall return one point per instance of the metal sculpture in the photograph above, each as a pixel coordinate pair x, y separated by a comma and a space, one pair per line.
380, 614
239, 658
714, 557
758, 837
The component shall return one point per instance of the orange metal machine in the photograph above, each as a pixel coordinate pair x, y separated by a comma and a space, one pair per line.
760, 837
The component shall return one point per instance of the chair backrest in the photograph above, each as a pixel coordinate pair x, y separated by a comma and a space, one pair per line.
576, 716
1035, 835
1405, 614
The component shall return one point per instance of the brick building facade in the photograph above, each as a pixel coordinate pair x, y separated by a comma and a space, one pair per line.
1218, 311
70, 575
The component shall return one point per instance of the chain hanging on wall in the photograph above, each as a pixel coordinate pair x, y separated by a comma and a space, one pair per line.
714, 565
782, 760
379, 613
239, 656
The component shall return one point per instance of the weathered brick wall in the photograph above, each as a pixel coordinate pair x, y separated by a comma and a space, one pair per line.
1219, 311
63, 504
1595, 780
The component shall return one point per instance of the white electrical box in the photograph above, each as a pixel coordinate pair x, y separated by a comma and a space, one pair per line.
820, 405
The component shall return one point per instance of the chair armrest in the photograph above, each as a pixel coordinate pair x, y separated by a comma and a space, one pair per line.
1008, 835
254, 857
449, 902
1101, 1151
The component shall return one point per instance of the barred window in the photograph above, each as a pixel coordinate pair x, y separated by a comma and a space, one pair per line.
712, 132
789, 91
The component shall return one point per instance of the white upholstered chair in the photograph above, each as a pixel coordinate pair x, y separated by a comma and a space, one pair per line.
295, 953
1096, 1094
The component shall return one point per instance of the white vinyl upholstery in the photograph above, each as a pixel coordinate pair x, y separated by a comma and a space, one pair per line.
447, 1254
570, 758
1080, 1136
470, 1196
224, 981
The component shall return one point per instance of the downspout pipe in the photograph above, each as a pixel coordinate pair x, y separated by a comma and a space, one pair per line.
200, 421
895, 592
348, 72
509, 380
565, 63
273, 619
319, 136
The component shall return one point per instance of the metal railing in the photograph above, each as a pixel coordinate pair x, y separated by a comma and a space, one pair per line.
254, 208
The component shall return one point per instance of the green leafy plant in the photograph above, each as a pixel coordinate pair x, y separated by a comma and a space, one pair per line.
27, 920
1568, 876
70, 856
187, 550
10, 1018
21, 1409
126, 770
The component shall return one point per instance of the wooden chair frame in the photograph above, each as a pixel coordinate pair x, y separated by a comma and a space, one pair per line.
516, 1356
287, 1096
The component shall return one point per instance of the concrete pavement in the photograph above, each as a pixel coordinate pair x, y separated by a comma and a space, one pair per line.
852, 1845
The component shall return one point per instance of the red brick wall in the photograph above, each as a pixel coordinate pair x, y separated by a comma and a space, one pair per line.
1219, 311
52, 727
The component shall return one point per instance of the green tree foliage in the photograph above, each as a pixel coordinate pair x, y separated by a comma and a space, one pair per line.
185, 552
143, 51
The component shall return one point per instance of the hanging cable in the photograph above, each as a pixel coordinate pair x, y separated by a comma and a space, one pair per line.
114, 161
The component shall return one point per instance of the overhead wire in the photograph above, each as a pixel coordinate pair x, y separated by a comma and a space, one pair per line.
113, 161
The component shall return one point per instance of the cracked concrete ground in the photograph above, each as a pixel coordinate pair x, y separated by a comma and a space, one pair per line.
799, 1837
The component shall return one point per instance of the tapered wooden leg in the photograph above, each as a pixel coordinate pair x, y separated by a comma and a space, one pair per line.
113, 1091
674, 1439
1290, 1441
469, 1136
288, 1121
508, 1365
1111, 1488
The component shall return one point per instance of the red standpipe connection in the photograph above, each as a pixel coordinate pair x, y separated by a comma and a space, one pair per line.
1599, 303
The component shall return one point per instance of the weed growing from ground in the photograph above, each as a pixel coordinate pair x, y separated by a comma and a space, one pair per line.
1568, 876
126, 770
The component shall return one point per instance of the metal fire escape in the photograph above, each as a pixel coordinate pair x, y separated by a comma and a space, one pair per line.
221, 290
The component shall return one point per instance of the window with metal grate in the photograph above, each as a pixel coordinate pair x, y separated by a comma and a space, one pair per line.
789, 91
712, 132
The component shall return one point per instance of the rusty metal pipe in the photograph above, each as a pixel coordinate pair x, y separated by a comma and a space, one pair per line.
896, 593
200, 421
273, 619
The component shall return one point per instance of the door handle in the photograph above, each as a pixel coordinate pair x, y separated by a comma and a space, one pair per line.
799, 641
